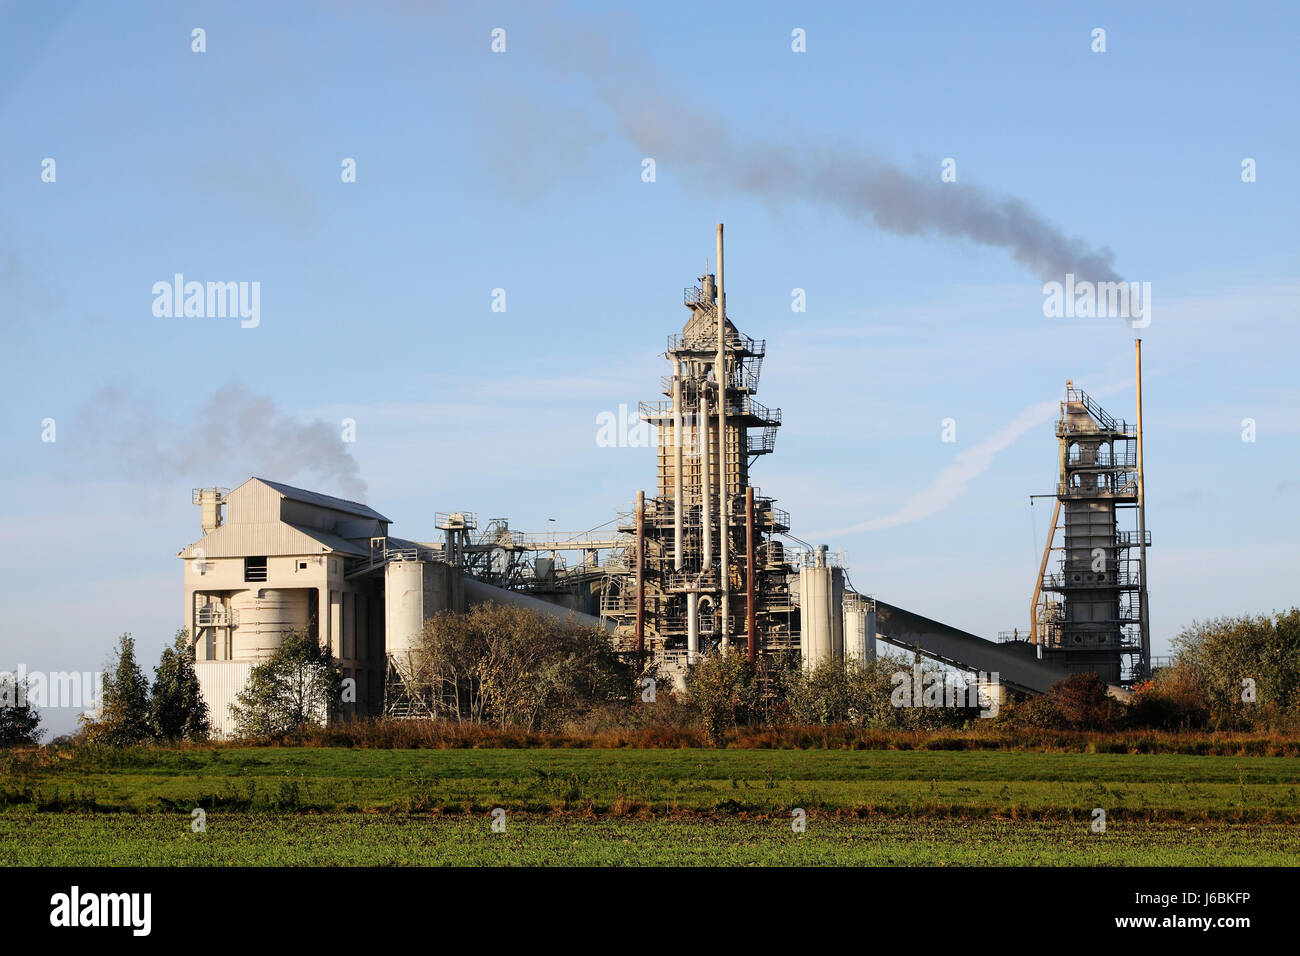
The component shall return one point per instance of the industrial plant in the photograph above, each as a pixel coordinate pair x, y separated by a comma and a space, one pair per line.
705, 564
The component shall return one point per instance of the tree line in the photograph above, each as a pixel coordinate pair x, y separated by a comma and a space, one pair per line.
507, 667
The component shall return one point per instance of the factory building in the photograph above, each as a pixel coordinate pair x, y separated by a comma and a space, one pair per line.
275, 558
706, 563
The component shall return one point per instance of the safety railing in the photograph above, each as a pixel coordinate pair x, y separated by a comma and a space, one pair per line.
763, 443
1126, 459
1125, 489
215, 616
1129, 539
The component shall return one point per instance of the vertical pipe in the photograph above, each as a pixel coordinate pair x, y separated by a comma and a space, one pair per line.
1144, 617
751, 628
871, 629
640, 574
677, 463
720, 372
692, 626
706, 483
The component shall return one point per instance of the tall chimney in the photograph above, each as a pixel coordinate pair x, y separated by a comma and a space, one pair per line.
720, 373
1144, 617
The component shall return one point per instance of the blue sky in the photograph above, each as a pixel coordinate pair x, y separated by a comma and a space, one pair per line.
522, 171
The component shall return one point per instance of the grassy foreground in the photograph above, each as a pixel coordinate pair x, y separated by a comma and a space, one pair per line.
270, 839
646, 807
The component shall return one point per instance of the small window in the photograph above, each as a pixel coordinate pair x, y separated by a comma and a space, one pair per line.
255, 569
302, 565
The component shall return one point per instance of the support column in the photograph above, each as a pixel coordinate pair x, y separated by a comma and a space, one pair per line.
751, 627
640, 575
1042, 569
871, 629
677, 464
706, 483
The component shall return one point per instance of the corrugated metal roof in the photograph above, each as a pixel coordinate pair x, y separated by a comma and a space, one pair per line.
270, 538
358, 528
332, 541
324, 501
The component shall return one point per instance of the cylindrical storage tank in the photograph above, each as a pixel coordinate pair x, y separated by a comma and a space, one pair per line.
855, 633
403, 614
816, 633
263, 616
992, 694
837, 613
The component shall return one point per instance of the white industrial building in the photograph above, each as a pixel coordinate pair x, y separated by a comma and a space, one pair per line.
274, 558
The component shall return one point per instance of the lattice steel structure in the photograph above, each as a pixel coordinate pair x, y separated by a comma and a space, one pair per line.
706, 569
1089, 608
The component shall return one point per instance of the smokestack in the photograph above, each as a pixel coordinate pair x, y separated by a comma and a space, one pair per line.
677, 464
720, 373
1144, 617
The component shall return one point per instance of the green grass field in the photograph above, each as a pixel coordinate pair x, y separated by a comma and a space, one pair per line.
251, 839
647, 807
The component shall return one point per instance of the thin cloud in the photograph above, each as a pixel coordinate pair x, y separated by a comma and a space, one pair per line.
966, 466
952, 480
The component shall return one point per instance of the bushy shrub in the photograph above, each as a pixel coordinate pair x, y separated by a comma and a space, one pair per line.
874, 693
1171, 700
1232, 659
1082, 702
512, 666
724, 688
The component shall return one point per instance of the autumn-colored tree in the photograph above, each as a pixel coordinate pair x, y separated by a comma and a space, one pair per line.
1171, 700
1246, 668
1082, 703
513, 666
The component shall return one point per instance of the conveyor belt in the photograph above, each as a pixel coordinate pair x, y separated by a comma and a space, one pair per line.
1016, 664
